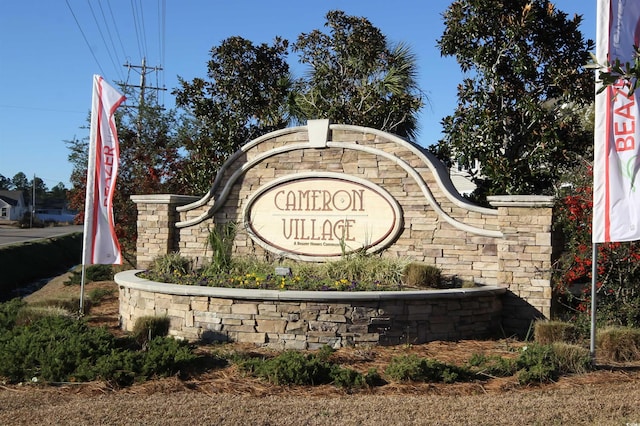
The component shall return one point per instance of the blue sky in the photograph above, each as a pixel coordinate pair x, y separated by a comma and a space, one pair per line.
46, 66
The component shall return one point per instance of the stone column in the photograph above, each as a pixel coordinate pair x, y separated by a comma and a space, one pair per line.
156, 225
524, 258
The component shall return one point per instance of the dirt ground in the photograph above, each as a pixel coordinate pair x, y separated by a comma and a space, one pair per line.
608, 396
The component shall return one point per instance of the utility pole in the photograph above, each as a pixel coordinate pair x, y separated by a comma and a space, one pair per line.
33, 200
144, 70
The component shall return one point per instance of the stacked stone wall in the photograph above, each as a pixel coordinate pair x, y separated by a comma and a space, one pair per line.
509, 245
312, 321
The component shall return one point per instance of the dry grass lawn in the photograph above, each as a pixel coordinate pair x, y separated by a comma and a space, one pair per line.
608, 396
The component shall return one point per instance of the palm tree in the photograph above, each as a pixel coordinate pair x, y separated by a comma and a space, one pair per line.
356, 77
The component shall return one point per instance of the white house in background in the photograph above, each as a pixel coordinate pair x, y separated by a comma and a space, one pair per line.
462, 178
12, 205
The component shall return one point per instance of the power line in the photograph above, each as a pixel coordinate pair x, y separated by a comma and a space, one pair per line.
107, 26
135, 26
104, 41
115, 25
144, 31
162, 23
41, 109
85, 39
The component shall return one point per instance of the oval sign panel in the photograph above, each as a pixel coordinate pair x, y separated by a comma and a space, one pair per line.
322, 216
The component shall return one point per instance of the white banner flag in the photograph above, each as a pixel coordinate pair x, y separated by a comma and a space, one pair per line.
616, 185
100, 241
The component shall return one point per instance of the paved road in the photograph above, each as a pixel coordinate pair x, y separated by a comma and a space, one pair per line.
15, 235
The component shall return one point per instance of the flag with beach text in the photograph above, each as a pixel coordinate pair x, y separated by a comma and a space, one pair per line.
616, 167
100, 245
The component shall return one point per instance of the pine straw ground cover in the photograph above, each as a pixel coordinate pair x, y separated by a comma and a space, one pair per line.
225, 396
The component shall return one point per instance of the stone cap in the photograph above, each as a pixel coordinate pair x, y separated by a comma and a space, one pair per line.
129, 279
531, 201
163, 199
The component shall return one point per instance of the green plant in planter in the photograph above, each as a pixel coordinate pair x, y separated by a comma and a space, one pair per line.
172, 264
220, 241
422, 275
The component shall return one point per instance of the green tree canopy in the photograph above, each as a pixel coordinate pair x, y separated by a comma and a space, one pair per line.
5, 183
40, 187
356, 76
246, 95
525, 63
20, 182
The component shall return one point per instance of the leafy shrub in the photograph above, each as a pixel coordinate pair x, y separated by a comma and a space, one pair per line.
536, 363
547, 332
422, 275
50, 307
147, 328
97, 294
9, 312
619, 344
52, 348
414, 368
32, 313
165, 357
118, 367
92, 273
492, 366
56, 348
71, 304
296, 368
290, 367
373, 378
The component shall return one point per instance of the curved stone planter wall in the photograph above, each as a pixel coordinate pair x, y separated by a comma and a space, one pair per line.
309, 319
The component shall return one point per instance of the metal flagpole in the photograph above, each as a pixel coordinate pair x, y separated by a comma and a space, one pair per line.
594, 280
82, 290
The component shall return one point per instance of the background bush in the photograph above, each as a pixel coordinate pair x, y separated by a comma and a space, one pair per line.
618, 268
27, 262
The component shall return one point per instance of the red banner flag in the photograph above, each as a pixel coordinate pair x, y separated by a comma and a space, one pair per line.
100, 242
616, 187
